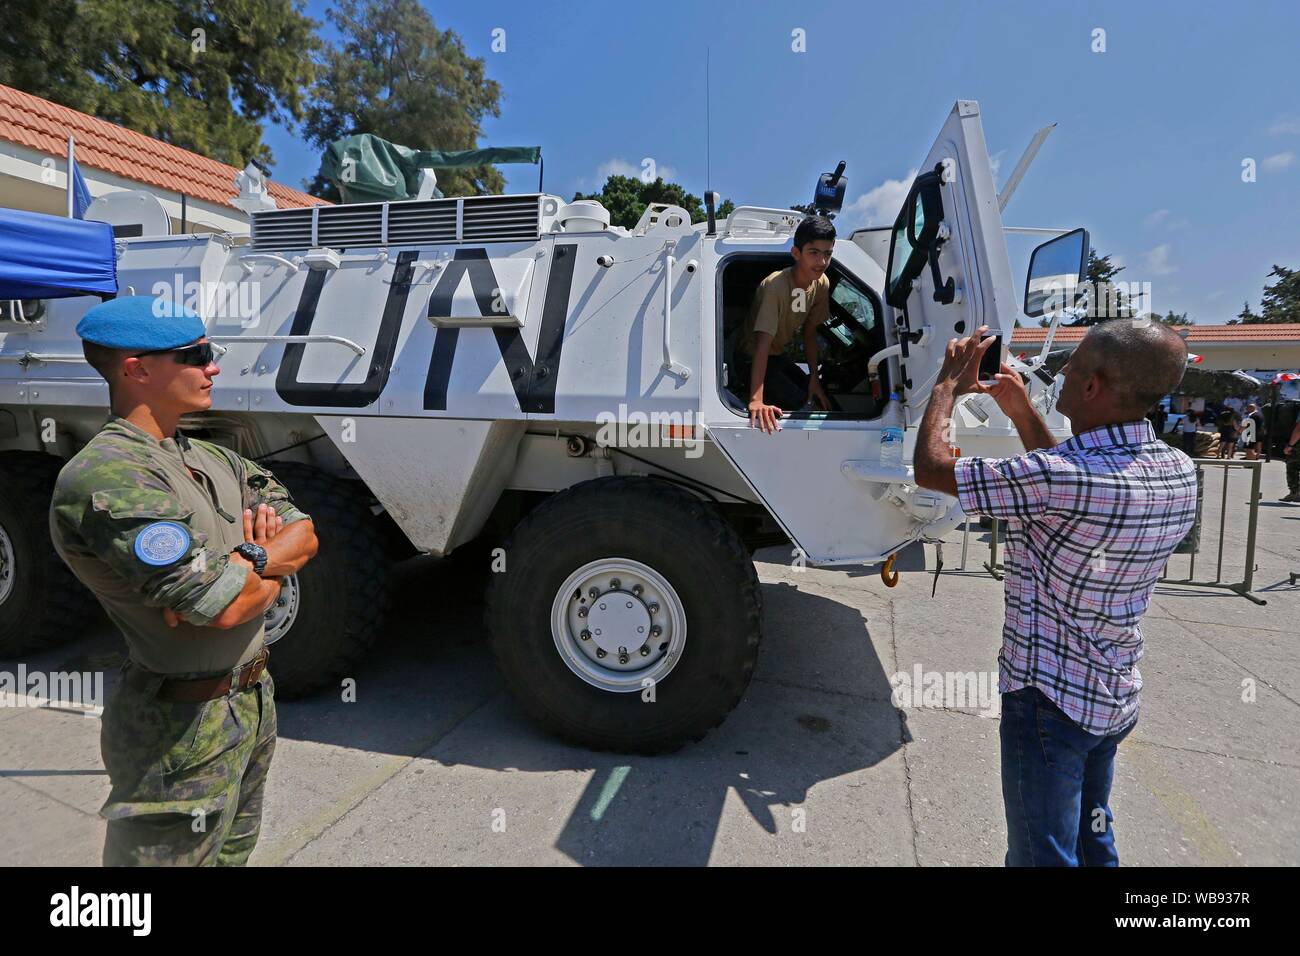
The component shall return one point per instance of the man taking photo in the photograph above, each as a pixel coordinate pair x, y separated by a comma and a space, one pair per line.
1090, 525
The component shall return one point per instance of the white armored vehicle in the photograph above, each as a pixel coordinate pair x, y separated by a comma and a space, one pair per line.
428, 375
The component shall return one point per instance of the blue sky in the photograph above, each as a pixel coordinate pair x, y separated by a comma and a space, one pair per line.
1147, 155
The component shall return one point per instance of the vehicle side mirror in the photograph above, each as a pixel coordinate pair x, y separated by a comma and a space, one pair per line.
1057, 277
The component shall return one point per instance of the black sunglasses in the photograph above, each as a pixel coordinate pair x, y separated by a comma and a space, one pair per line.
200, 354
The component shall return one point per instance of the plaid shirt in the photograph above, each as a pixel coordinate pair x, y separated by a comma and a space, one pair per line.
1090, 525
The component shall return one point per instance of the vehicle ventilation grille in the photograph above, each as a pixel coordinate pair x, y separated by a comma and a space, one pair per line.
417, 222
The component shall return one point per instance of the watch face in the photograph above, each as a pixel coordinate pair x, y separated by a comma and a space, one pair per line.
255, 553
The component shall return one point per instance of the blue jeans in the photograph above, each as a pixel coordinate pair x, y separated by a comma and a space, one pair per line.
1056, 785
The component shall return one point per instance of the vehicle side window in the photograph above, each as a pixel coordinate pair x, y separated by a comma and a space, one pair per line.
855, 302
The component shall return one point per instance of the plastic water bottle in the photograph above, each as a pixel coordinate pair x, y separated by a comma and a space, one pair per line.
891, 436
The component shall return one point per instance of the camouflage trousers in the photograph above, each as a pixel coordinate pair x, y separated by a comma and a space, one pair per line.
187, 778
1293, 470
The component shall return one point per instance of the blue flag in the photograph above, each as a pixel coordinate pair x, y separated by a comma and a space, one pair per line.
80, 194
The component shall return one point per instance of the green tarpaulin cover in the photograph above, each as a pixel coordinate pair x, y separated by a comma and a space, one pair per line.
369, 169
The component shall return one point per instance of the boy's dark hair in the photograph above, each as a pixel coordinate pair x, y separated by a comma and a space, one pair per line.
813, 229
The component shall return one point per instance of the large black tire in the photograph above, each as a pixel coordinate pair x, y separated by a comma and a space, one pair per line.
343, 593
683, 539
45, 604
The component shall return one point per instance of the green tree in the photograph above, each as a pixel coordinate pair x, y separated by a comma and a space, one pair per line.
1244, 316
626, 198
396, 75
1281, 300
1105, 299
200, 75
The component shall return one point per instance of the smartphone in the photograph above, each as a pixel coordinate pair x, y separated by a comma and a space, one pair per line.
991, 361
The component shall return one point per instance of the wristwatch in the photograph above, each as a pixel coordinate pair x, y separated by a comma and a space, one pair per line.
254, 553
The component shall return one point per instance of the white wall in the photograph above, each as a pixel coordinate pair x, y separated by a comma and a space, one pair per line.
29, 182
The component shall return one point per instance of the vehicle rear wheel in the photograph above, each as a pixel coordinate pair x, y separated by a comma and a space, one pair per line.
330, 614
627, 617
41, 603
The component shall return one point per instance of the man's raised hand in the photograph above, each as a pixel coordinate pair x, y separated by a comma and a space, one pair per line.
961, 362
1009, 390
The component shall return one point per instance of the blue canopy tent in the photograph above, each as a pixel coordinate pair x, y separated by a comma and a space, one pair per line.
48, 257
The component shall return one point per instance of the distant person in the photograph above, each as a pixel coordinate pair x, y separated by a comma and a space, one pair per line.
1090, 525
1291, 452
1188, 429
1157, 417
790, 302
1252, 432
1227, 425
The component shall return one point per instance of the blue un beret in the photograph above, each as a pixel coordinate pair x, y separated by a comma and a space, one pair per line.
140, 323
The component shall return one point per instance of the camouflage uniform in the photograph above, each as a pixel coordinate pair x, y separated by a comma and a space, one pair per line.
187, 778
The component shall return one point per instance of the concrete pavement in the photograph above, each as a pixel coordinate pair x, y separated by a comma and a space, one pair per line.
435, 764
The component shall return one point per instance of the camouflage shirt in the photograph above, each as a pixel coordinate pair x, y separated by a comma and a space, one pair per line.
144, 535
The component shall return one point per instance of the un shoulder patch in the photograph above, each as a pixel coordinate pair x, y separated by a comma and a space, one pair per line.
163, 542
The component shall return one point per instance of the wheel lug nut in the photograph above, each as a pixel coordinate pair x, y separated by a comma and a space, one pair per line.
615, 584
622, 658
636, 589
586, 635
645, 651
655, 630
653, 608
594, 593
582, 612
600, 652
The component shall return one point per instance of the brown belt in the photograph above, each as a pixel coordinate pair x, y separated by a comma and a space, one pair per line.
210, 688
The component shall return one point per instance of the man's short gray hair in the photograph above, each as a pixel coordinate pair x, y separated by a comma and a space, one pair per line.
1141, 360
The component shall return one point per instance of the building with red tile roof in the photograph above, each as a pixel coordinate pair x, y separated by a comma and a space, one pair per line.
33, 159
1227, 347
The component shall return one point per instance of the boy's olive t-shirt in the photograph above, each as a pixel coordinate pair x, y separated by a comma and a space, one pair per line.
780, 312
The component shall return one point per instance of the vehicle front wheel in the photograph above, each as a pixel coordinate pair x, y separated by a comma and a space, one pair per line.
627, 617
41, 603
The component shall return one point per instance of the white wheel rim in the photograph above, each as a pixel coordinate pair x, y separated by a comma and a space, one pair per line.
281, 615
639, 617
6, 566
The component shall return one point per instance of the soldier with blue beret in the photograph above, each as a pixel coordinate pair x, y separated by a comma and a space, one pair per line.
185, 544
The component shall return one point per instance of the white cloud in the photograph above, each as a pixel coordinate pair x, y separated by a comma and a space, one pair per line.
618, 166
1156, 218
1157, 261
1284, 125
1277, 161
878, 206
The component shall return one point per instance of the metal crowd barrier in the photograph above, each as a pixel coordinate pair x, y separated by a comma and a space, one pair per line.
1242, 587
1190, 545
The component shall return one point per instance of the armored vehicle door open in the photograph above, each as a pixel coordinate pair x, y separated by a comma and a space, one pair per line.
948, 273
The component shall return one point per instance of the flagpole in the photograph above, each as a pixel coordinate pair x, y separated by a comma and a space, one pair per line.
70, 161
